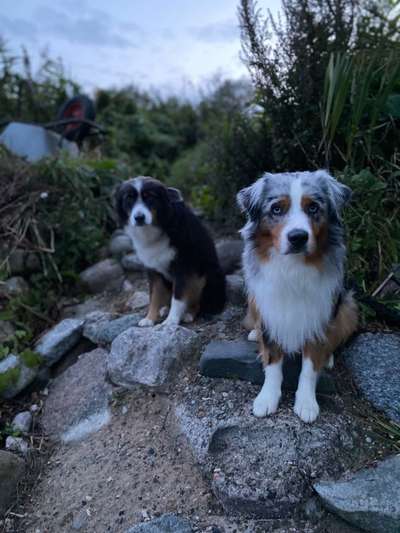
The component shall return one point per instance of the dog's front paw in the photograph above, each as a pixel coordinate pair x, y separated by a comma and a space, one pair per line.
145, 322
170, 321
266, 403
306, 408
252, 336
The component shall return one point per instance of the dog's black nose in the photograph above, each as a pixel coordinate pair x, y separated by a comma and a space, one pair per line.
139, 219
297, 238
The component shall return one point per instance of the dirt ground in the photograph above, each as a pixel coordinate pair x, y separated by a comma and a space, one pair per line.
139, 467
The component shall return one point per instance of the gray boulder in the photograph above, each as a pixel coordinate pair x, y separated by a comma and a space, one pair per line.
374, 361
263, 468
59, 340
104, 330
131, 263
78, 399
14, 376
229, 253
150, 356
120, 244
167, 523
239, 359
12, 469
235, 290
369, 499
104, 275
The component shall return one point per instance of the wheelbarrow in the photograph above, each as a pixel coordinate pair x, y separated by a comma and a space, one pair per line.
75, 122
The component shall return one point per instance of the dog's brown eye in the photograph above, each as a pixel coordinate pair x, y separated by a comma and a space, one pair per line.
313, 208
276, 209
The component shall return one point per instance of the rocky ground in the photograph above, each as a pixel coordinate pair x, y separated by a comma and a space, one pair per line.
151, 430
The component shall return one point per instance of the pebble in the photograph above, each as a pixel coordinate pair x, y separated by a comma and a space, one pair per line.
16, 444
22, 422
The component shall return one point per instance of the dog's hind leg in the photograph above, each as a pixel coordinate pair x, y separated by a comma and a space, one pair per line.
186, 298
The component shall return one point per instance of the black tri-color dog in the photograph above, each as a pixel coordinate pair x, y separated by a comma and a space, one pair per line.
185, 276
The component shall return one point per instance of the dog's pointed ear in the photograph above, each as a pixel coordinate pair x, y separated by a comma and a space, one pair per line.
339, 193
174, 195
249, 198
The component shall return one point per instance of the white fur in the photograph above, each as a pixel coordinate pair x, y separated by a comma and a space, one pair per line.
252, 336
145, 322
296, 219
294, 299
268, 398
176, 312
140, 208
152, 247
306, 406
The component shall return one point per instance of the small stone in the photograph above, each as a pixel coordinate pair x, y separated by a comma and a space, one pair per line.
22, 422
369, 499
7, 330
104, 275
167, 523
15, 286
14, 376
59, 340
131, 263
16, 444
103, 331
23, 262
120, 244
138, 300
12, 469
374, 361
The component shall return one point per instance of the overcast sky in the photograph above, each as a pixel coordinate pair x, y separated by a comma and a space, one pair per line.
167, 45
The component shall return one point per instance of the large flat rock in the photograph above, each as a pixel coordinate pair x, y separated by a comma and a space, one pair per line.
369, 499
264, 468
77, 404
150, 356
374, 361
239, 360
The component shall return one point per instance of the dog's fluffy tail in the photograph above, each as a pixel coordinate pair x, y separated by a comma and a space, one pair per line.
213, 297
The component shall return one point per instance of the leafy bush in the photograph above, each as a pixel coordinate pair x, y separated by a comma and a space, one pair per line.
288, 58
373, 222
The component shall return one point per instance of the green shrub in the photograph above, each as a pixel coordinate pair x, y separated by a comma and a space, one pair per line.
373, 224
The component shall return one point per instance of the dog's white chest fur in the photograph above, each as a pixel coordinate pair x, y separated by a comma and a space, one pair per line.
153, 248
294, 299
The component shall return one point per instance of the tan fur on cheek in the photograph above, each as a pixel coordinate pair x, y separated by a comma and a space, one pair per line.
320, 238
267, 238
